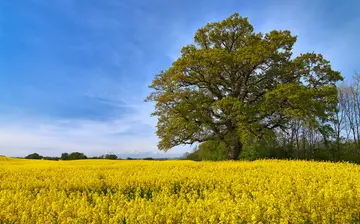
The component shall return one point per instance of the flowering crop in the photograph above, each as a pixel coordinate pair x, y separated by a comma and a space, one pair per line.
104, 191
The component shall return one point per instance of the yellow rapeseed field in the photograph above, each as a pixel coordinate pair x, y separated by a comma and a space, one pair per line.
104, 191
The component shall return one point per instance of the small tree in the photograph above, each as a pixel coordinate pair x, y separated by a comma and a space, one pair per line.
34, 156
76, 156
111, 156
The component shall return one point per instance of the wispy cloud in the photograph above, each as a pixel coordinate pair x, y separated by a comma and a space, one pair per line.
53, 136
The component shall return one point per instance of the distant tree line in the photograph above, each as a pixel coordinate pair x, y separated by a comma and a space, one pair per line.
71, 156
81, 156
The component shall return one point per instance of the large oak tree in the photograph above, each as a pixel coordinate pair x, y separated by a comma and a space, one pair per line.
236, 86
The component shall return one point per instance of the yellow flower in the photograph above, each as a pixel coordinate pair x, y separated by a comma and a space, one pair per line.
100, 191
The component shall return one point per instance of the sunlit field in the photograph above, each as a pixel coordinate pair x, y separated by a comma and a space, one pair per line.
103, 191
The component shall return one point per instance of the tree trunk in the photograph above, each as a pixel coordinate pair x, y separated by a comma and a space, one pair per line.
234, 151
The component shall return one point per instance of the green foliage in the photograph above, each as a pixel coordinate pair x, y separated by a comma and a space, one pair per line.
209, 150
148, 158
193, 156
212, 150
111, 156
51, 158
34, 156
64, 156
254, 151
76, 156
236, 86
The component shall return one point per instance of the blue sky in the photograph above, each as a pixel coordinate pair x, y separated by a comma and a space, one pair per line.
74, 73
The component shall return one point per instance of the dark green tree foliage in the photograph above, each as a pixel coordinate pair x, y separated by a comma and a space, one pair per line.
76, 156
209, 150
239, 87
193, 156
111, 156
64, 156
51, 158
33, 156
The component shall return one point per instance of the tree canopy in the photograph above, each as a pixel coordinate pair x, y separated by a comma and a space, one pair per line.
76, 156
237, 86
111, 156
34, 156
64, 156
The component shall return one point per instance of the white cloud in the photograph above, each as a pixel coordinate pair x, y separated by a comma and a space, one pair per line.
53, 136
20, 136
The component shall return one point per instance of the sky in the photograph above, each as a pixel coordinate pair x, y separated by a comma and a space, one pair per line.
74, 73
